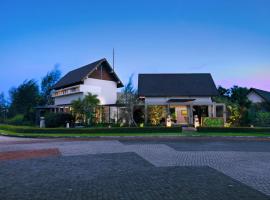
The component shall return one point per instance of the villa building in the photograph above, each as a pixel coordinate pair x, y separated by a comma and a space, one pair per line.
97, 78
184, 96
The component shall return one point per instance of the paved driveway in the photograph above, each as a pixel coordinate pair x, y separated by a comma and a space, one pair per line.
134, 169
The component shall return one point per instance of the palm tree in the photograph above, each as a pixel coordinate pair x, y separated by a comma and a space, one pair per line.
90, 102
84, 110
78, 110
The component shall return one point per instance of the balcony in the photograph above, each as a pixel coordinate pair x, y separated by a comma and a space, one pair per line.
67, 91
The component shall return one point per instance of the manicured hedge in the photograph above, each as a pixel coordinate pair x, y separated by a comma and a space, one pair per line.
232, 130
53, 120
22, 129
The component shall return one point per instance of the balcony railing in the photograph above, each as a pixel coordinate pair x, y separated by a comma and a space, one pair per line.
67, 91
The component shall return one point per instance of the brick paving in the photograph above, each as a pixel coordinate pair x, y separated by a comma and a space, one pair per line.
18, 155
115, 176
172, 162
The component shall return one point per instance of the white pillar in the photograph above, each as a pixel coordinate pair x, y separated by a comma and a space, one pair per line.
191, 114
214, 110
210, 109
224, 113
145, 114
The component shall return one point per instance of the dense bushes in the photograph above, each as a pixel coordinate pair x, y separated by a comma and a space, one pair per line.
232, 130
262, 119
18, 120
126, 130
212, 122
138, 115
53, 120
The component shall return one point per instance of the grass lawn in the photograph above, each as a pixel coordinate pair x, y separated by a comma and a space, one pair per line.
67, 135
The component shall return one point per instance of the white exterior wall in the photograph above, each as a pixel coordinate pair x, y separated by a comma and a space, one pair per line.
254, 98
163, 100
106, 91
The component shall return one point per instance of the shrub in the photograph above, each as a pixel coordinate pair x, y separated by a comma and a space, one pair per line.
53, 120
138, 115
212, 122
155, 114
18, 120
262, 119
104, 125
232, 130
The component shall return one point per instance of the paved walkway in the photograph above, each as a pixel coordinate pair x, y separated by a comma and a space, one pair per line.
250, 169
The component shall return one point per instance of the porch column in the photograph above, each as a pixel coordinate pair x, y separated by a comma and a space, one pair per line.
210, 111
145, 114
168, 110
224, 113
214, 109
190, 114
109, 114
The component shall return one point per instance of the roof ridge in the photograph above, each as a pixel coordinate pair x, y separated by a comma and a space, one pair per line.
260, 90
98, 61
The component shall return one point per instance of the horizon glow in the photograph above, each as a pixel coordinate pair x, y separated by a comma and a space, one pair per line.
229, 39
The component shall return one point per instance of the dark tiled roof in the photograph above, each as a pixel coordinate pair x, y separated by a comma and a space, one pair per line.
262, 93
77, 76
167, 85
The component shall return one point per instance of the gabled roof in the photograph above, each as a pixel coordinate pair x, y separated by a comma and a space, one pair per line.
169, 85
262, 93
77, 76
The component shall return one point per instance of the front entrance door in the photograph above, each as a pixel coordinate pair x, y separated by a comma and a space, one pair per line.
181, 114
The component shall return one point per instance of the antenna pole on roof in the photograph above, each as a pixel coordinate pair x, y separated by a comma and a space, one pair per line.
113, 60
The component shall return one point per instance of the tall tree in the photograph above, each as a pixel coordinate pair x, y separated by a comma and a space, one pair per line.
237, 104
129, 97
47, 84
239, 95
223, 91
24, 98
3, 107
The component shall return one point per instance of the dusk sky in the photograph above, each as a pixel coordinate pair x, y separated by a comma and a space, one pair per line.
229, 39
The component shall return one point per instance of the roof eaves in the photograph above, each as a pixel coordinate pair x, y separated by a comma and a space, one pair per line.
258, 92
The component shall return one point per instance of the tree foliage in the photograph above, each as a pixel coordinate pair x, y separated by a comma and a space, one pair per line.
23, 99
3, 107
129, 97
262, 119
78, 110
237, 104
47, 84
84, 109
90, 102
155, 114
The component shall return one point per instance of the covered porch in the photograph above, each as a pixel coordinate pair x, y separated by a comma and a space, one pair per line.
186, 112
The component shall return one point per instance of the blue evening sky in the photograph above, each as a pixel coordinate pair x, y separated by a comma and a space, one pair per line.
229, 38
